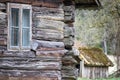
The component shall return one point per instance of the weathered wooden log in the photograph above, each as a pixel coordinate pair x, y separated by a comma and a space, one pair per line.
49, 49
49, 13
69, 13
48, 36
57, 53
56, 18
48, 31
18, 54
27, 59
3, 48
48, 24
30, 73
2, 6
3, 31
3, 41
69, 72
69, 8
69, 31
37, 44
30, 63
26, 65
3, 20
69, 42
29, 78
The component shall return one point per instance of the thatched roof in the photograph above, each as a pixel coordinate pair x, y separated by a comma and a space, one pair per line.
94, 57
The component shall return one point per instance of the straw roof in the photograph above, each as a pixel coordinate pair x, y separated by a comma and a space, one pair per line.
94, 57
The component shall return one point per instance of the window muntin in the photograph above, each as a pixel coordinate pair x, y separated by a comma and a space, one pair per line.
19, 24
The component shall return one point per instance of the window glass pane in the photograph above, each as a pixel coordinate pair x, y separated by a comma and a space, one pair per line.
14, 30
15, 17
25, 37
26, 18
26, 27
14, 36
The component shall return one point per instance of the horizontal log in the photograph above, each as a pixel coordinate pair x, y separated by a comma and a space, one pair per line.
49, 13
48, 31
17, 54
3, 47
70, 72
20, 59
49, 49
41, 63
32, 73
48, 24
2, 6
3, 41
37, 44
29, 78
48, 35
57, 18
26, 65
3, 30
3, 19
57, 53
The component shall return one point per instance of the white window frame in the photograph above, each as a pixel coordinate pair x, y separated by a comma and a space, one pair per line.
20, 7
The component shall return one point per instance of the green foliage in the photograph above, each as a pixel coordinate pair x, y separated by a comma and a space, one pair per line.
89, 26
93, 26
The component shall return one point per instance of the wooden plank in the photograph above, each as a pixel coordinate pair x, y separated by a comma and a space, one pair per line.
82, 68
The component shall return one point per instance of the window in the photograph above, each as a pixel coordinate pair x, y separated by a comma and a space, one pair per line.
19, 24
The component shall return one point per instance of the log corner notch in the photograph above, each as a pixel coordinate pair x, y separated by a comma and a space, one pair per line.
69, 72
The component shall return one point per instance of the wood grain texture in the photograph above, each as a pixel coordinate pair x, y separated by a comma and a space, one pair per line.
49, 13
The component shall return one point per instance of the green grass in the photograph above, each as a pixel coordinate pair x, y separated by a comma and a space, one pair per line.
99, 79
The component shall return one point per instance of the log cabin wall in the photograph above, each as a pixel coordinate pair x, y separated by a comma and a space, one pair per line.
51, 55
3, 29
43, 61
